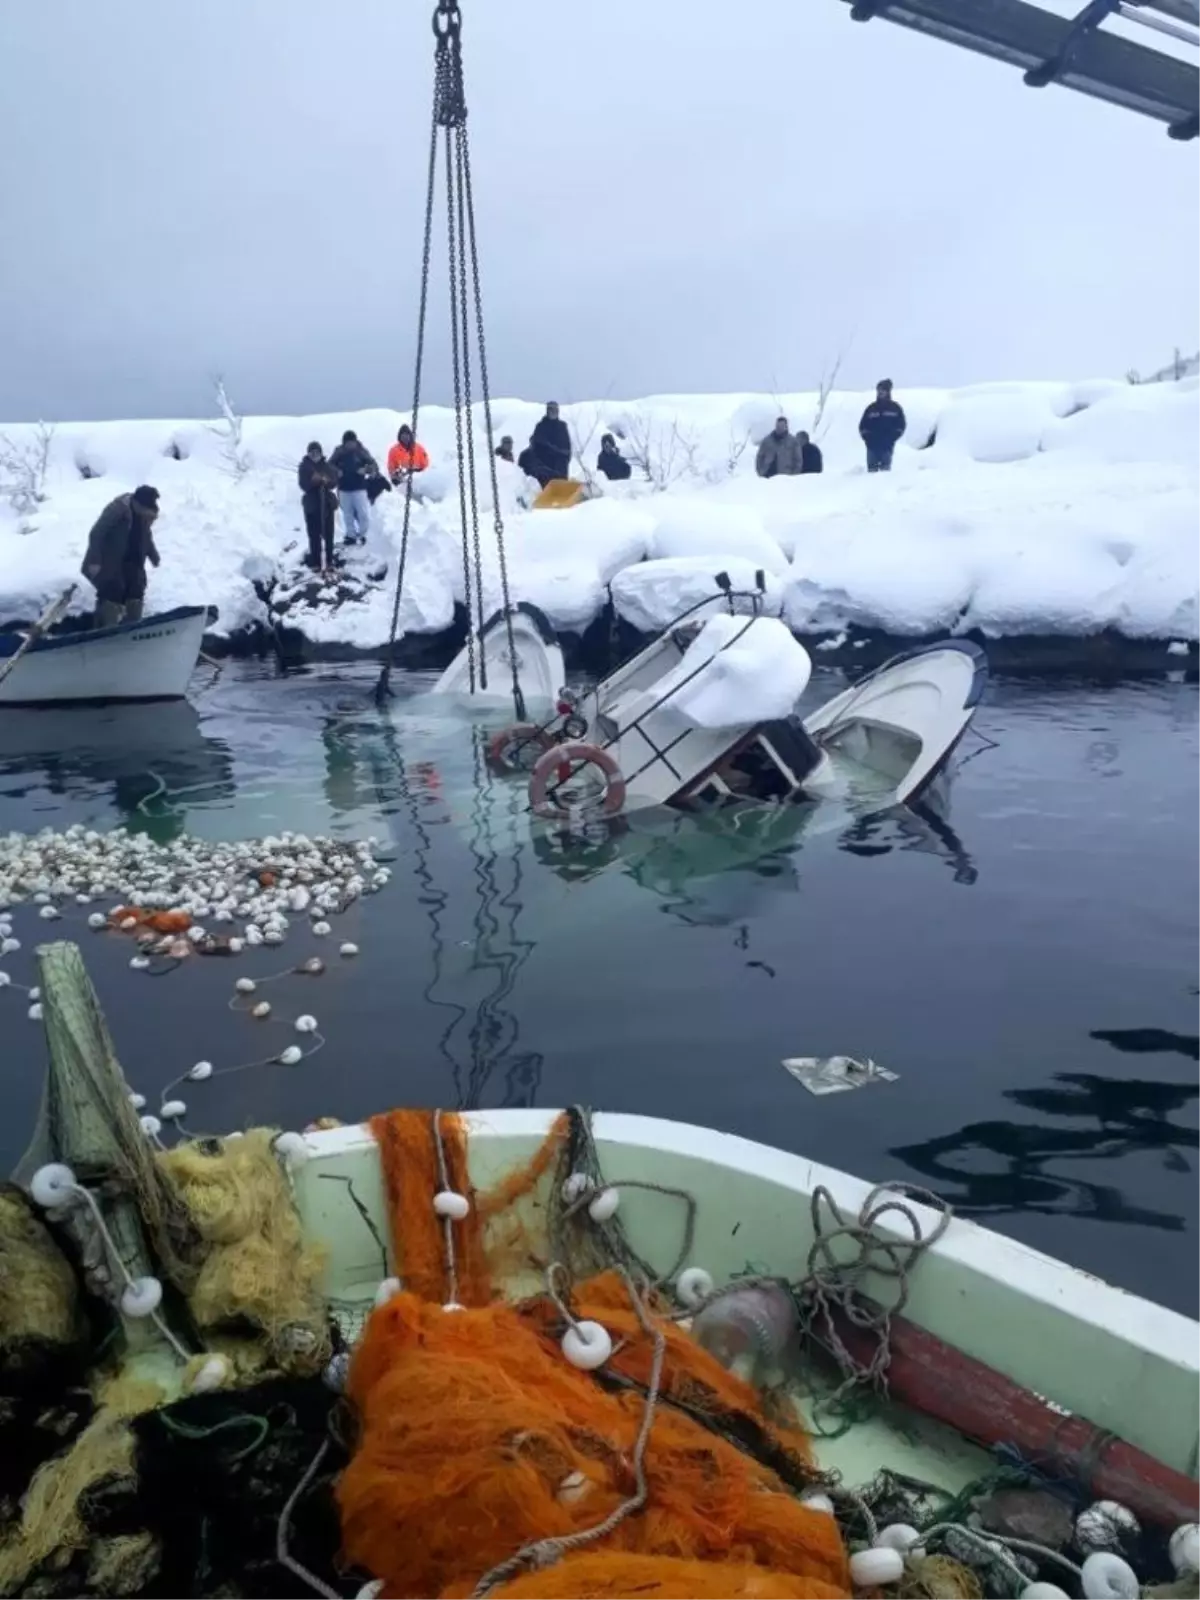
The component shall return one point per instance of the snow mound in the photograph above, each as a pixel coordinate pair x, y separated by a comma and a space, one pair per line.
651, 596
1013, 508
737, 671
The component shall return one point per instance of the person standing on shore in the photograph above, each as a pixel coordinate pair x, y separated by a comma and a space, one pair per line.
355, 467
318, 481
119, 545
881, 427
550, 443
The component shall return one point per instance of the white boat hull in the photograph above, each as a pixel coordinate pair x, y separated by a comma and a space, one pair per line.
538, 660
148, 660
905, 719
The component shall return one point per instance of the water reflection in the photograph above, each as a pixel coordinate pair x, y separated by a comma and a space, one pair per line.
481, 1038
151, 762
1127, 1117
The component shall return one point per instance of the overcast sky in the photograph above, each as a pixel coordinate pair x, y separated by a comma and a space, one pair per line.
673, 195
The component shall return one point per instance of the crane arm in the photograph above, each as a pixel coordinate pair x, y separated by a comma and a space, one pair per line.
1072, 51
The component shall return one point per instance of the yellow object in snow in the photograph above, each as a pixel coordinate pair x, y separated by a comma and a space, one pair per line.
558, 494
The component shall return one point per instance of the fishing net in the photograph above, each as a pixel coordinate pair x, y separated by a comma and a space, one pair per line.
256, 1276
188, 1500
484, 1456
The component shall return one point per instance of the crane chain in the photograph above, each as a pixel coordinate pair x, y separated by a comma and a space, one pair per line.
450, 114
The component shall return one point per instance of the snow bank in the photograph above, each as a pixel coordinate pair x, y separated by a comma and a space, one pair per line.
1013, 508
755, 672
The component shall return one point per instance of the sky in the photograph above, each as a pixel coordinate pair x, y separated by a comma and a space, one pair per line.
673, 196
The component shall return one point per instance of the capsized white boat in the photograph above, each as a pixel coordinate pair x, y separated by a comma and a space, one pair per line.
905, 719
705, 715
148, 660
535, 653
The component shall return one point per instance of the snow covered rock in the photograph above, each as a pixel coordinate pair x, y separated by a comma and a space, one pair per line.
650, 596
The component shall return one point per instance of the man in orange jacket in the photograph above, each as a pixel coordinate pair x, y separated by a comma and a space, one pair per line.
406, 455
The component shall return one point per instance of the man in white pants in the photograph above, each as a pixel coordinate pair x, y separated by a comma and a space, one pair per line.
355, 465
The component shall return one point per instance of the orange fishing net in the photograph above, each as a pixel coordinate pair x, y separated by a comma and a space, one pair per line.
478, 1436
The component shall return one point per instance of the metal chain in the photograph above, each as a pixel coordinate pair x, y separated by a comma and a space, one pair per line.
486, 397
382, 688
456, 367
459, 309
450, 113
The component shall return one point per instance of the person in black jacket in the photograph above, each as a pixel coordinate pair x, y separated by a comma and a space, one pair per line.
318, 480
808, 454
356, 467
881, 427
551, 446
611, 462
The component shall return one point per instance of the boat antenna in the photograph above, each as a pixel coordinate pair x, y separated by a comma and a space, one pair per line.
462, 251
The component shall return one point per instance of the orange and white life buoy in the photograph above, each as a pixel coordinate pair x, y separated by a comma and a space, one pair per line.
555, 767
517, 749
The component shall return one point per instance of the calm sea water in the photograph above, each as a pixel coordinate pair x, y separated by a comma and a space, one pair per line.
1026, 962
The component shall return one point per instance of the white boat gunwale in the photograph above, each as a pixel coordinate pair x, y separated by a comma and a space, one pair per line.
186, 623
1127, 1365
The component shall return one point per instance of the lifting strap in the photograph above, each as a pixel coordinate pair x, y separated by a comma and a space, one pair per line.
450, 120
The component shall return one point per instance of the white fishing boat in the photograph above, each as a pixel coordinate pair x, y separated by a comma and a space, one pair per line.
148, 660
485, 669
540, 1319
705, 715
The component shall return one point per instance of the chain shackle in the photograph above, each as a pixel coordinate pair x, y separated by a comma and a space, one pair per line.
447, 20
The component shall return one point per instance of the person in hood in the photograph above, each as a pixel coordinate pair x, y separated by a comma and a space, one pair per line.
355, 467
504, 450
611, 462
551, 445
777, 452
406, 456
808, 455
318, 499
119, 545
881, 427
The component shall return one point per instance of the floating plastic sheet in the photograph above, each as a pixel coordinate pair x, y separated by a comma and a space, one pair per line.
836, 1074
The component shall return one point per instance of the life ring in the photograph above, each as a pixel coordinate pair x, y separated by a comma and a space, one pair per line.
553, 768
517, 749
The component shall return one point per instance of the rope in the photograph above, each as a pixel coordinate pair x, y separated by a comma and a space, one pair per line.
450, 114
545, 1552
283, 1527
447, 1222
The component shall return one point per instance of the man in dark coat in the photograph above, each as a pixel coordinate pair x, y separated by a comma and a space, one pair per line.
551, 445
611, 462
809, 455
318, 481
881, 427
356, 467
119, 546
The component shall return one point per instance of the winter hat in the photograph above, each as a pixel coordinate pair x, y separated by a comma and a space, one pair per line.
884, 383
349, 437
144, 495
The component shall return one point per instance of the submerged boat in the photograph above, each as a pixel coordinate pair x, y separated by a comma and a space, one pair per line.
487, 665
148, 660
525, 1353
704, 716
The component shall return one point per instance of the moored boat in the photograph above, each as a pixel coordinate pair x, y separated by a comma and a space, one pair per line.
152, 659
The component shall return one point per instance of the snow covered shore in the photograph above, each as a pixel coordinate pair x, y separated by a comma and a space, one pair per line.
1014, 509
